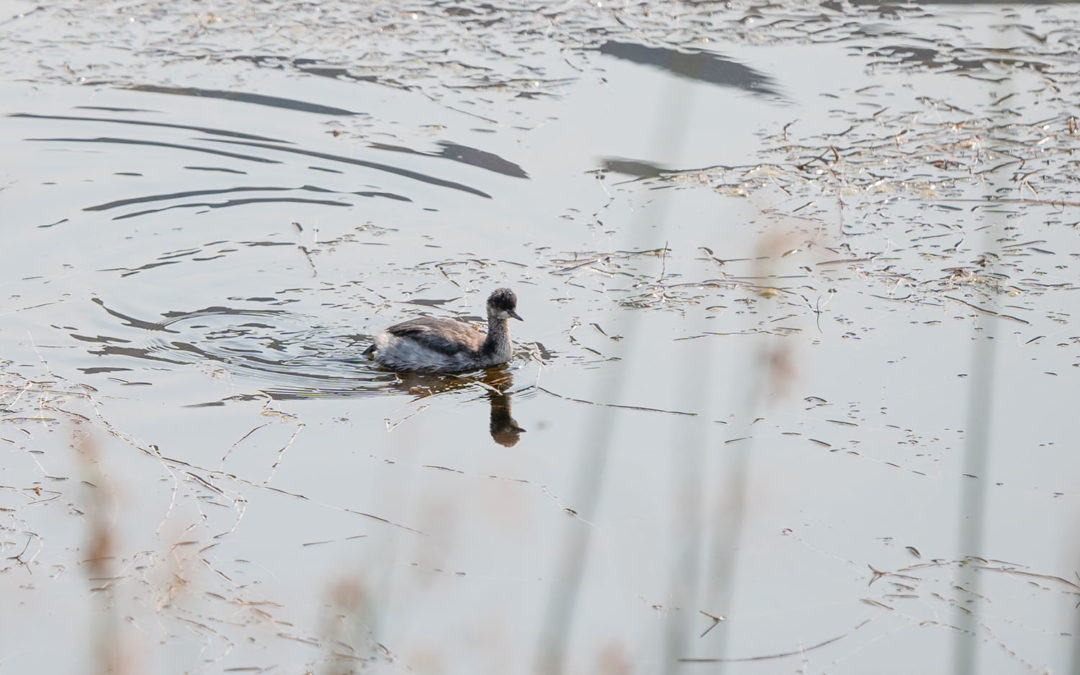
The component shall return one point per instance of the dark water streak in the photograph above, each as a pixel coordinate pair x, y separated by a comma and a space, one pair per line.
699, 66
405, 173
464, 154
144, 123
245, 97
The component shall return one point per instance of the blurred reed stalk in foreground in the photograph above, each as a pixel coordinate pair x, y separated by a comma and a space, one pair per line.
109, 653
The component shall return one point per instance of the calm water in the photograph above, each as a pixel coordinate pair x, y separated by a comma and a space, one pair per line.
795, 391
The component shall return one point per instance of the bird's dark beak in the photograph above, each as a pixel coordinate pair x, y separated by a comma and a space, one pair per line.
515, 315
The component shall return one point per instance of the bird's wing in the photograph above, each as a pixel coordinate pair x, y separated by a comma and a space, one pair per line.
442, 335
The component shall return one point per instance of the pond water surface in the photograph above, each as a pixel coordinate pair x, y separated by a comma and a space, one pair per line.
795, 391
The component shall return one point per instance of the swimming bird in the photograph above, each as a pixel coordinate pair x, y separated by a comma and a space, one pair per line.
446, 345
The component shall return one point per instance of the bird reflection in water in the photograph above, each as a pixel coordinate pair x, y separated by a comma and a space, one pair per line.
504, 429
495, 381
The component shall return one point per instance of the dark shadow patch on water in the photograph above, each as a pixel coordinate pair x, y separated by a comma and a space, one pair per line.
143, 123
699, 66
632, 167
245, 97
464, 154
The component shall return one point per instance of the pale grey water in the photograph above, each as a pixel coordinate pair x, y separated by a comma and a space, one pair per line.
820, 188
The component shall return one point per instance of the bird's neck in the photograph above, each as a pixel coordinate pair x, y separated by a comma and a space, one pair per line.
498, 337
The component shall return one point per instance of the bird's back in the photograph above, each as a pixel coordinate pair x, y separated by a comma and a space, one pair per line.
441, 335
